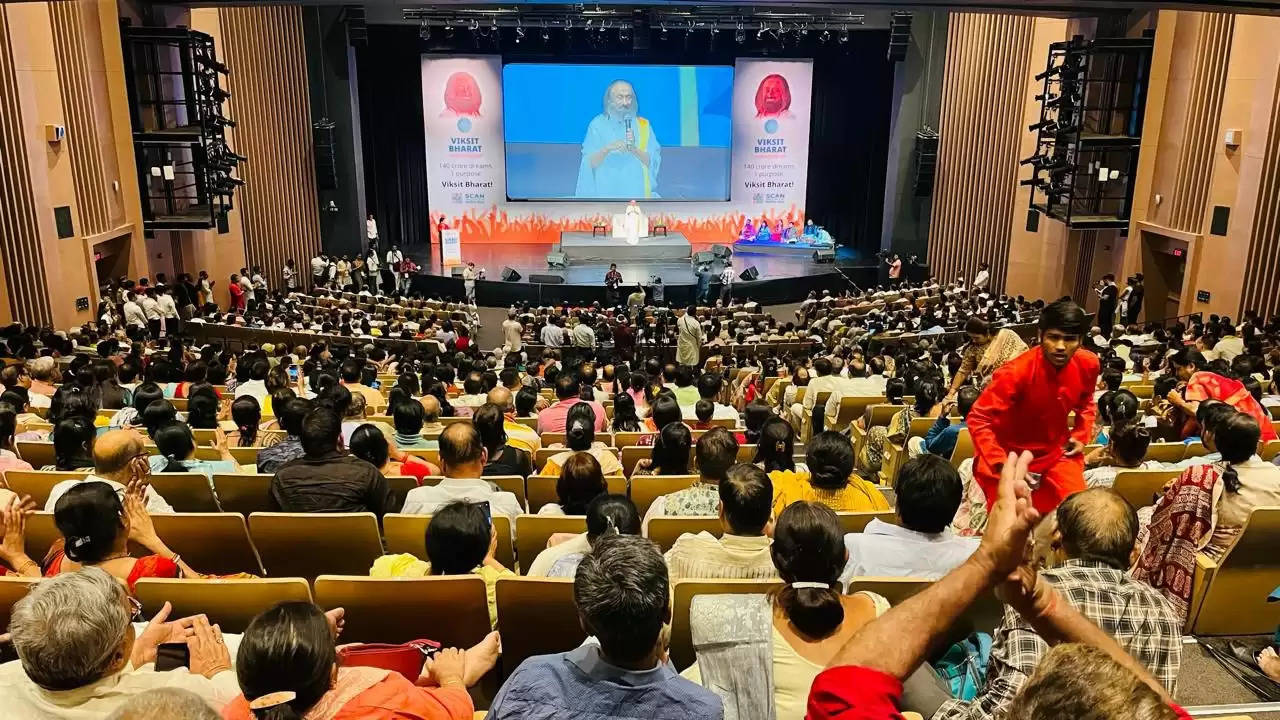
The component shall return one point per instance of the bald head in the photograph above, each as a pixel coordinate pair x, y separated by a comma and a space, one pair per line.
501, 397
430, 408
113, 450
1098, 525
461, 451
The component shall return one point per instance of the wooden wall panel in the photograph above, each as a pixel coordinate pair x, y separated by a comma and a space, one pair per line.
1082, 287
1190, 194
19, 226
78, 107
1261, 288
981, 129
263, 47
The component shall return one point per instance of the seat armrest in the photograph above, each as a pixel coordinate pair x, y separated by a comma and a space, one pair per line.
1206, 569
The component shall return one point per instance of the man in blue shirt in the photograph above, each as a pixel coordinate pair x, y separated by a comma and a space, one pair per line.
941, 439
623, 599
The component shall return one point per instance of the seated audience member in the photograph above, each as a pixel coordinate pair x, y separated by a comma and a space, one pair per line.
131, 416
865, 675
1077, 681
625, 417
580, 436
463, 455
666, 410
923, 546
606, 514
431, 424
246, 413
73, 442
1115, 410
292, 412
165, 703
702, 413
708, 388
8, 451
717, 452
287, 668
1125, 450
119, 459
1092, 543
327, 480
407, 418
178, 453
623, 599
941, 438
776, 447
670, 454
79, 656
581, 480
1208, 415
96, 528
503, 458
519, 435
746, 509
370, 445
461, 540
350, 372
555, 418
157, 415
202, 409
1205, 509
830, 479
14, 510
786, 637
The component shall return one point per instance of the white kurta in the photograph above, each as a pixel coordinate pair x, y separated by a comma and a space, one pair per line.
631, 224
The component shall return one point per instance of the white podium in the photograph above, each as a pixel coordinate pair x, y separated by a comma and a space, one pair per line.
620, 221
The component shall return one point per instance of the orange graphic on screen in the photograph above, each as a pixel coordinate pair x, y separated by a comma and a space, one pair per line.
773, 97
461, 95
497, 226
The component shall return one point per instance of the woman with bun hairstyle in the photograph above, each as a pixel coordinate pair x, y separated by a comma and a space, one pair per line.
580, 436
830, 479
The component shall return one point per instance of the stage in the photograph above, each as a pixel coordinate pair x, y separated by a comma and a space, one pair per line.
583, 280
585, 246
796, 249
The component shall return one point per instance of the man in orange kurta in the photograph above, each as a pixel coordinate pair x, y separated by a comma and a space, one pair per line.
1026, 406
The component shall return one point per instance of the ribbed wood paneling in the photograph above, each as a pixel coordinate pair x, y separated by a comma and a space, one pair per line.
19, 229
981, 128
1082, 289
78, 112
263, 47
1203, 112
1261, 289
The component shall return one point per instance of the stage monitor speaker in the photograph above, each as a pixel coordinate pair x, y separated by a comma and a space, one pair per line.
538, 279
700, 258
557, 259
750, 273
721, 251
510, 275
824, 255
899, 36
925, 162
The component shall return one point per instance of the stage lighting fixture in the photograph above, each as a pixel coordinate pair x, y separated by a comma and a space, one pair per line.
424, 31
826, 36
1048, 125
545, 34
1033, 181
760, 33
739, 37
519, 34
1049, 73
844, 36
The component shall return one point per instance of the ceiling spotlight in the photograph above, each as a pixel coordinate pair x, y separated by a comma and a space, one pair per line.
739, 36
826, 36
424, 31
844, 35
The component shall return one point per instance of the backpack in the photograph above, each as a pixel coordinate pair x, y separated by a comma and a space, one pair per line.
963, 666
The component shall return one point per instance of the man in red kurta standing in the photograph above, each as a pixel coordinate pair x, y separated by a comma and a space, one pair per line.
1025, 407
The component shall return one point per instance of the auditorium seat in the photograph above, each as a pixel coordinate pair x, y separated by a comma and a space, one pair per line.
683, 592
647, 488
311, 544
1141, 487
963, 449
41, 534
215, 543
186, 492
1167, 452
431, 456
1270, 450
452, 610
541, 489
246, 456
852, 408
400, 486
38, 453
513, 484
625, 439
408, 534
533, 531
664, 531
984, 615
1229, 596
1195, 449
856, 522
12, 589
243, 492
38, 483
545, 454
536, 616
230, 603
632, 454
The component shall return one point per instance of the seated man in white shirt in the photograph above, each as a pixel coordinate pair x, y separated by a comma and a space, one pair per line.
746, 509
473, 394
118, 457
923, 546
463, 456
709, 385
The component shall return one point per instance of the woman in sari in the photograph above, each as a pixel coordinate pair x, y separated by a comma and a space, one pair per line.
986, 352
1205, 509
871, 456
96, 528
1188, 365
287, 667
830, 479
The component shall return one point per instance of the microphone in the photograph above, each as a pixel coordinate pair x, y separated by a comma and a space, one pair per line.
631, 136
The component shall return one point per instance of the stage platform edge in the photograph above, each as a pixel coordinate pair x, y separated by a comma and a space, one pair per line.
582, 246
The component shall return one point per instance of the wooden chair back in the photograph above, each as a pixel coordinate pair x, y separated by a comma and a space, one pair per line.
310, 544
38, 483
231, 604
683, 592
1141, 487
15, 587
647, 488
243, 493
1168, 452
38, 453
664, 531
533, 531
408, 534
452, 610
216, 543
186, 492
536, 616
1235, 600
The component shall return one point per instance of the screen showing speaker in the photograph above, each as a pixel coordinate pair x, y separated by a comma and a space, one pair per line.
617, 132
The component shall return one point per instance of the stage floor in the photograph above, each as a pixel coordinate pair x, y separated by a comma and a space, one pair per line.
583, 246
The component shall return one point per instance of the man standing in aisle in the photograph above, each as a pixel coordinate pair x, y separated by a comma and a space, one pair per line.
726, 283
704, 284
690, 338
983, 278
469, 282
319, 270
511, 331
612, 281
394, 259
1025, 407
1108, 294
374, 267
371, 232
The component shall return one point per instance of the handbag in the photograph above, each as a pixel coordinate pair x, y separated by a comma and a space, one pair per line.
404, 658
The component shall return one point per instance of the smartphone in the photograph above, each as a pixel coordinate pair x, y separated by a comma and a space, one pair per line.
171, 656
293, 372
376, 384
488, 511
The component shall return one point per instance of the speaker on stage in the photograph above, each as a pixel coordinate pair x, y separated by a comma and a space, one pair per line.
721, 251
750, 273
824, 255
510, 275
557, 259
703, 257
538, 279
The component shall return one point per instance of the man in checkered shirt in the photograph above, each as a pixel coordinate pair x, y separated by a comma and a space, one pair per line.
1091, 547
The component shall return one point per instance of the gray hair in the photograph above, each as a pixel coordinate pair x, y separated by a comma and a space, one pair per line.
41, 368
165, 704
67, 630
622, 595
